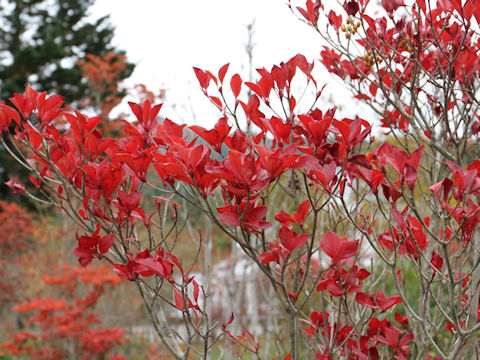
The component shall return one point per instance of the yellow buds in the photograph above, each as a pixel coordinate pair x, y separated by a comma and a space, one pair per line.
350, 28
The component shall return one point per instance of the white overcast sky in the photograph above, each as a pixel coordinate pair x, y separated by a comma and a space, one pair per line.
166, 38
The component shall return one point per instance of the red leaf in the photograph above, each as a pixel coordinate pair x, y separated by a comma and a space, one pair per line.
267, 257
377, 301
196, 290
311, 11
172, 258
255, 88
228, 217
34, 181
179, 303
283, 218
202, 77
6, 115
216, 136
364, 299
351, 7
398, 218
338, 249
302, 212
468, 11
422, 5
392, 5
84, 261
85, 255
447, 186
371, 23
290, 239
410, 176
239, 141
331, 244
334, 289
222, 72
436, 261
303, 12
386, 303
230, 320
161, 267
216, 101
15, 186
335, 20
349, 249
128, 202
106, 243
33, 136
236, 85
362, 97
401, 319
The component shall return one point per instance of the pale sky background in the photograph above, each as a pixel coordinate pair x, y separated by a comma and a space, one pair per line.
166, 38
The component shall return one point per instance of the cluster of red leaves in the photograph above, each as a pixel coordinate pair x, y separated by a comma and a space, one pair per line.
464, 187
352, 346
110, 171
436, 37
432, 32
344, 277
395, 39
59, 323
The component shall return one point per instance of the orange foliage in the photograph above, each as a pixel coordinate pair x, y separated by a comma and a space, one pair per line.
70, 320
70, 276
103, 74
144, 94
15, 227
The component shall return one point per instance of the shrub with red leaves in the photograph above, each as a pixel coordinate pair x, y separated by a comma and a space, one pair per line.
368, 248
68, 326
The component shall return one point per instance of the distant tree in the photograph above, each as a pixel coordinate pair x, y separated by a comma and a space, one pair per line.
16, 226
43, 43
104, 74
67, 327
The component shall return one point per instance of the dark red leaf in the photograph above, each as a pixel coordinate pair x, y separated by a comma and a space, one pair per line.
351, 7
364, 299
290, 239
437, 261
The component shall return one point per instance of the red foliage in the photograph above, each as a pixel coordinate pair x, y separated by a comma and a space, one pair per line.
16, 226
67, 326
